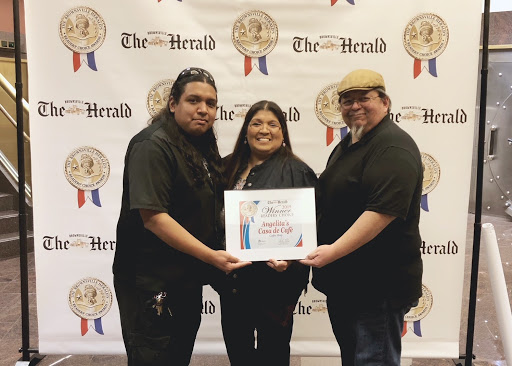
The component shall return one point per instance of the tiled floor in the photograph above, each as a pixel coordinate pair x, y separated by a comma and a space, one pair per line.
487, 345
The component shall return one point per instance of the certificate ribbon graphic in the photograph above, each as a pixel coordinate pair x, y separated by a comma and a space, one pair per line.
247, 211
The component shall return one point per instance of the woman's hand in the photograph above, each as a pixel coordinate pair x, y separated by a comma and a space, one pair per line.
279, 266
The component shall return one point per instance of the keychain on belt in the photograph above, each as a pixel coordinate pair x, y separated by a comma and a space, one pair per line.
159, 303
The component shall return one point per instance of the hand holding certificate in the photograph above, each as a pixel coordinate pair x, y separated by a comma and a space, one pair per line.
265, 224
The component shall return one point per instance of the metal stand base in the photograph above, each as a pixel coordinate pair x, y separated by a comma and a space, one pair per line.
458, 362
34, 360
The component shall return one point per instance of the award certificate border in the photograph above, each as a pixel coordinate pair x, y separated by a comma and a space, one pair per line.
306, 215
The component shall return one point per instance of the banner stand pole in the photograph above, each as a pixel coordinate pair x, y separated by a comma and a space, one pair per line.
479, 183
22, 223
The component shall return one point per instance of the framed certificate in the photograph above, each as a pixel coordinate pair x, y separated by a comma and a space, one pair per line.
270, 223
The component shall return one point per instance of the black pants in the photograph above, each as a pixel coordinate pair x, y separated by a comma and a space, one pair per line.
273, 324
165, 339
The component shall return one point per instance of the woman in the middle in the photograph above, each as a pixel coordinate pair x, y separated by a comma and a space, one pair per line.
257, 302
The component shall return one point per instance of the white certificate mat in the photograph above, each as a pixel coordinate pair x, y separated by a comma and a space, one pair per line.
270, 223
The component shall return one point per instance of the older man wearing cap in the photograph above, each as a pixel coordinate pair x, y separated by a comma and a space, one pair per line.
368, 201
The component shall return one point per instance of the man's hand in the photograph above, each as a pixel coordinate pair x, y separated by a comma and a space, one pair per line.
226, 262
366, 227
279, 266
321, 256
176, 236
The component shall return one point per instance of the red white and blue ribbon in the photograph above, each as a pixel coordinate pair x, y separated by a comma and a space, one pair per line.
348, 1
88, 58
424, 202
259, 62
429, 65
332, 133
416, 328
86, 324
245, 240
93, 196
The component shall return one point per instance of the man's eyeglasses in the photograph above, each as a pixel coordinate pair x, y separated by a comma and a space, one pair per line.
191, 71
347, 103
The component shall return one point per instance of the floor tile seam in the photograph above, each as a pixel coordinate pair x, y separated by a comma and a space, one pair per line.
5, 336
10, 278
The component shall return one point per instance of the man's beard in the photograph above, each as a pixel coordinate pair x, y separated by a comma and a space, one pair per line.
357, 132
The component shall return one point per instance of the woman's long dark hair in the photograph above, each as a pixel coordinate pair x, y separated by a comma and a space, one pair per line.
242, 151
194, 148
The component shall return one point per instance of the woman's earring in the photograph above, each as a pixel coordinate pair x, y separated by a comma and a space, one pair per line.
284, 143
245, 140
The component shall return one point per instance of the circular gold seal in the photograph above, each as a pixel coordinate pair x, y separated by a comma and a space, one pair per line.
327, 107
158, 96
431, 173
254, 33
86, 168
423, 308
426, 36
90, 298
82, 29
248, 209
